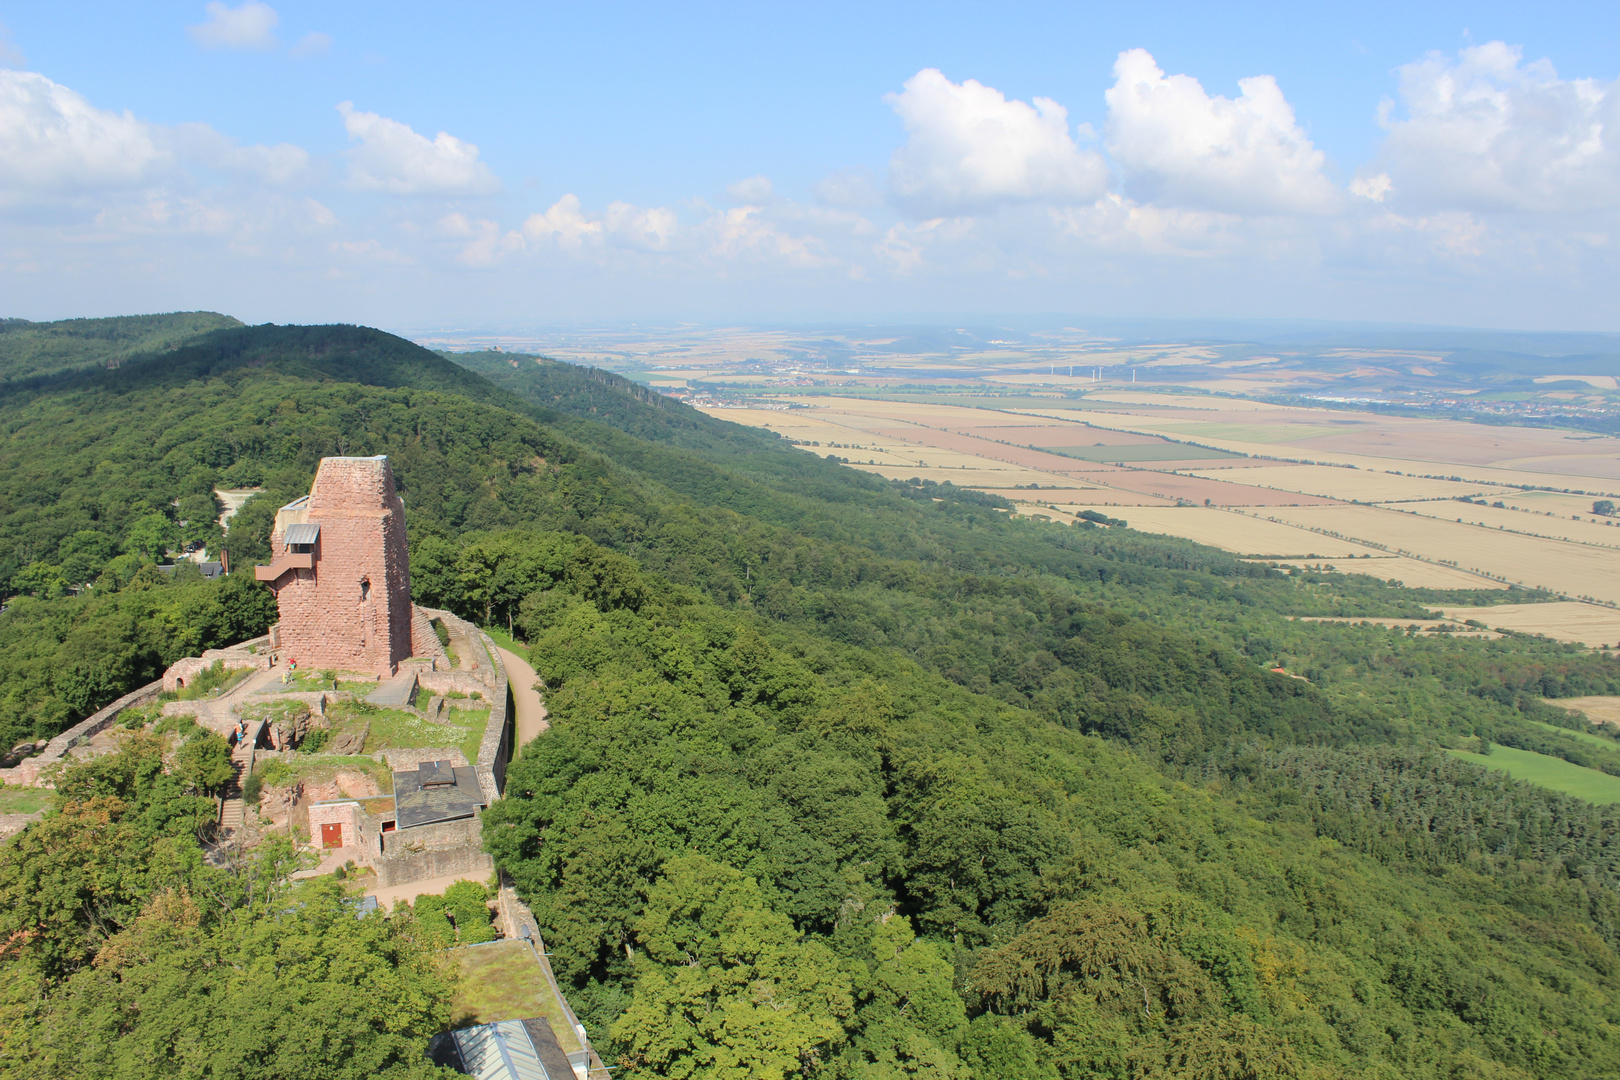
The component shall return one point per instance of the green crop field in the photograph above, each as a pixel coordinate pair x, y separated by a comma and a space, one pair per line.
1549, 772
1158, 451
1591, 739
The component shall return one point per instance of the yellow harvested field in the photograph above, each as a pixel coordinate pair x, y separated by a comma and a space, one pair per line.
1082, 498
1364, 485
1407, 522
1317, 436
1238, 533
1599, 710
1551, 501
1589, 624
1556, 527
1572, 569
1184, 401
989, 475
1413, 573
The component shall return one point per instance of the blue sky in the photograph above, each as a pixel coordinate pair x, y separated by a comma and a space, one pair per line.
412, 165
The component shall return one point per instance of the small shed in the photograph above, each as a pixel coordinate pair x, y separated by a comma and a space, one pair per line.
435, 791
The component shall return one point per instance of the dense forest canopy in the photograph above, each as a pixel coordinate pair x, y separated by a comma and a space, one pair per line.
33, 348
848, 777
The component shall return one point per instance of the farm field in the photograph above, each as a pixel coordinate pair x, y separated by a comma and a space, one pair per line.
1356, 485
1243, 535
1599, 710
1572, 569
1472, 452
1565, 620
1559, 527
1597, 742
1549, 772
1046, 452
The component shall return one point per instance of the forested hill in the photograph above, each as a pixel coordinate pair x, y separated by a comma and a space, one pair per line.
847, 777
34, 348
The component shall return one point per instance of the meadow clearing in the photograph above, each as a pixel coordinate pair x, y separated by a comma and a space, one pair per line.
1549, 772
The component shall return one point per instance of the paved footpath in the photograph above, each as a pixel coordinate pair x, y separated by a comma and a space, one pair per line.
531, 711
426, 887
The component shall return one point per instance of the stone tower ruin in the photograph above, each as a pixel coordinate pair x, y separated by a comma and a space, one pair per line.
341, 572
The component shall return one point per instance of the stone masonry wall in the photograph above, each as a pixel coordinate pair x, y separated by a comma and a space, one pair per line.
402, 869
440, 836
28, 773
352, 610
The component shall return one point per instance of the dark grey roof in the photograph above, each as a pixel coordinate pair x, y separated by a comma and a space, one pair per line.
435, 773
304, 533
416, 803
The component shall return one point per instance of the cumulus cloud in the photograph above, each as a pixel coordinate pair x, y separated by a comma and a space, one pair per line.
311, 44
281, 165
849, 189
564, 223
969, 149
754, 191
10, 55
1487, 131
1181, 146
251, 26
392, 158
53, 140
54, 143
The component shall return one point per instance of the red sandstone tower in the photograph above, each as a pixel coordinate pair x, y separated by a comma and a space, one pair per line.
341, 572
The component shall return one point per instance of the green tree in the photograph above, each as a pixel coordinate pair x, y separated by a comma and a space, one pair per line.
726, 988
203, 764
152, 535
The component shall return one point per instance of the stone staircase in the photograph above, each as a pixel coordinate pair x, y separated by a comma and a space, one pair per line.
232, 811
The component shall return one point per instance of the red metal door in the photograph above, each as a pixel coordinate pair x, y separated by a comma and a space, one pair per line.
332, 835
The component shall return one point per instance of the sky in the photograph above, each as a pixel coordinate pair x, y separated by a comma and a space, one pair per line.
488, 164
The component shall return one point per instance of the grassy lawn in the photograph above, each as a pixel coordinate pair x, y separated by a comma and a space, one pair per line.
503, 981
304, 681
506, 641
1549, 772
1591, 739
24, 800
212, 684
397, 729
321, 768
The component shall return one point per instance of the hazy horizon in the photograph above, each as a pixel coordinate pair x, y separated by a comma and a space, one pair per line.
404, 166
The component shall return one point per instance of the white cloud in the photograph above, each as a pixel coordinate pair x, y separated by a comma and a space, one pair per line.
394, 159
54, 141
642, 228
311, 44
1489, 132
251, 26
281, 165
10, 55
563, 223
849, 189
969, 149
1180, 146
754, 191
1374, 186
